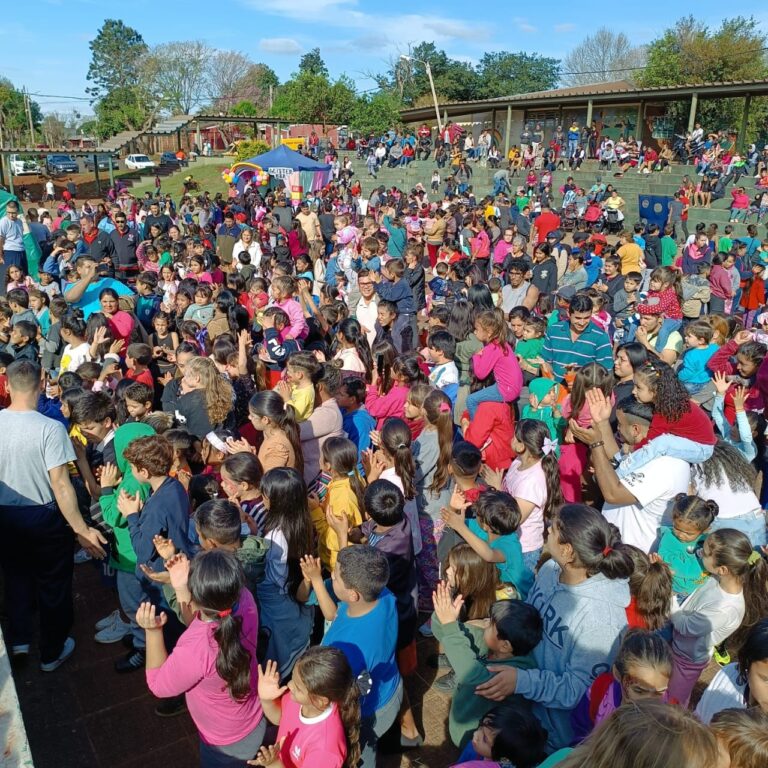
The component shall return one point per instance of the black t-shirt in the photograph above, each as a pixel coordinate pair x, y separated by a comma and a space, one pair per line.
125, 247
101, 248
326, 225
162, 221
545, 276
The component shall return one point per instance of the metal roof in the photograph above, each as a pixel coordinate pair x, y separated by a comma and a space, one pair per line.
618, 92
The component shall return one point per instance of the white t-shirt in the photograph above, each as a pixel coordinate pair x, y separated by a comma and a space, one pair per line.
655, 486
730, 503
350, 360
276, 566
724, 692
411, 510
73, 357
366, 314
529, 485
49, 188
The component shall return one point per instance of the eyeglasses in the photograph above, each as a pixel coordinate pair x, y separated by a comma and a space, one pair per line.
365, 283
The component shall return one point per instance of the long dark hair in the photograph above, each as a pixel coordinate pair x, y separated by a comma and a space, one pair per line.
384, 355
532, 433
341, 455
216, 579
396, 441
726, 464
270, 405
325, 672
461, 320
289, 512
352, 332
595, 541
480, 297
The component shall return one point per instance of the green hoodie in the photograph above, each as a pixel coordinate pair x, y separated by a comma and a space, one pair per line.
466, 650
122, 555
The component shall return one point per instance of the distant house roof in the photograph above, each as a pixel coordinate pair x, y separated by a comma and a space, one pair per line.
617, 92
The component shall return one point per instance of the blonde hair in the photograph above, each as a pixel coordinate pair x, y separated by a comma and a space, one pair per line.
217, 389
646, 734
744, 735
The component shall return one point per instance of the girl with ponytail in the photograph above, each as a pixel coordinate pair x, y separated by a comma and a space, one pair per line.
214, 662
582, 594
354, 351
281, 446
319, 722
533, 480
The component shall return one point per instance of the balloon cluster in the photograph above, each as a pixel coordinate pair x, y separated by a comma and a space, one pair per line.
228, 176
261, 178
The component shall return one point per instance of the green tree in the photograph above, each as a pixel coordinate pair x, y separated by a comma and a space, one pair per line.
505, 74
123, 109
312, 98
376, 112
13, 114
312, 64
690, 52
255, 86
116, 55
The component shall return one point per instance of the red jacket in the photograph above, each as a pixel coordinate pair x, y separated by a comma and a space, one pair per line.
492, 431
694, 425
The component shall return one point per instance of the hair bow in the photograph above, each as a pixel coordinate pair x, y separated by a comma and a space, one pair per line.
549, 446
445, 407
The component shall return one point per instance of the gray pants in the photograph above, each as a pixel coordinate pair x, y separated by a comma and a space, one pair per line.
374, 727
233, 755
131, 594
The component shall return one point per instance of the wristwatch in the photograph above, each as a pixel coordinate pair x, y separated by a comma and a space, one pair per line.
596, 444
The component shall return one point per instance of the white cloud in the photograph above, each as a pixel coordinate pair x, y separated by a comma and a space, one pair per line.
523, 25
567, 27
279, 45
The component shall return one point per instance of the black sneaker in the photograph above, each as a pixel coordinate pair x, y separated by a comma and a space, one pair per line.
133, 662
171, 707
127, 641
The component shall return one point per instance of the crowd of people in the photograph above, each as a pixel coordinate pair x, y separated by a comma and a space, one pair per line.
301, 436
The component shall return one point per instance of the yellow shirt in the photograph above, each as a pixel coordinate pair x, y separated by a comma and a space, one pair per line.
631, 255
342, 499
303, 400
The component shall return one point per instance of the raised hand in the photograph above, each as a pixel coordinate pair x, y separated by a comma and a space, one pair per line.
178, 567
110, 476
447, 608
720, 380
599, 405
147, 619
310, 568
164, 547
269, 682
127, 504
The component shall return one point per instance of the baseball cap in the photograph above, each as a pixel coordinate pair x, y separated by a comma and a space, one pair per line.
566, 292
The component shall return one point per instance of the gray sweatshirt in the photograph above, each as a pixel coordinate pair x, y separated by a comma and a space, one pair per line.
582, 625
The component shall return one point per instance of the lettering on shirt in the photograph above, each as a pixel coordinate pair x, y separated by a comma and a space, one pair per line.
554, 627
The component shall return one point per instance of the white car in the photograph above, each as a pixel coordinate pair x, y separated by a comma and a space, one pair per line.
21, 166
138, 162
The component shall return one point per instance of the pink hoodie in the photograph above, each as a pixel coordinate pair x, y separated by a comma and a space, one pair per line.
506, 369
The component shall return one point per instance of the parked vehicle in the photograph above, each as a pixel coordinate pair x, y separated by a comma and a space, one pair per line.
22, 166
169, 158
138, 162
103, 162
58, 164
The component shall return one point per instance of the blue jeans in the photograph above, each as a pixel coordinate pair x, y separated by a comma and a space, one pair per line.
487, 395
667, 327
751, 524
665, 445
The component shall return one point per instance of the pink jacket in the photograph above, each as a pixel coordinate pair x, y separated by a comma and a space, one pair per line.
740, 199
298, 328
191, 670
720, 282
382, 407
506, 369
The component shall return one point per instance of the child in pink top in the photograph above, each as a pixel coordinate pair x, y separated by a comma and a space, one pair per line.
319, 720
389, 389
495, 357
225, 707
283, 289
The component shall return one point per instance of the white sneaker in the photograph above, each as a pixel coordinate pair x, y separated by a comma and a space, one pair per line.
66, 652
114, 633
108, 621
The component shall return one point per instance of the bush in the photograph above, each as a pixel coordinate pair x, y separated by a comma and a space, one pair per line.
251, 148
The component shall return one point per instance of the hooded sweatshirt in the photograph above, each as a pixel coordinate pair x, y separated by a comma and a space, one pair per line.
582, 625
122, 555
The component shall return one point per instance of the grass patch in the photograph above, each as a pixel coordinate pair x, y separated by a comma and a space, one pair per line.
206, 171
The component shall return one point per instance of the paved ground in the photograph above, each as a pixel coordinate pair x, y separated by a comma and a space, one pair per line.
85, 715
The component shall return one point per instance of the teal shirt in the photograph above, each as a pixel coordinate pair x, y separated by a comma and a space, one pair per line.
556, 757
512, 570
529, 349
687, 572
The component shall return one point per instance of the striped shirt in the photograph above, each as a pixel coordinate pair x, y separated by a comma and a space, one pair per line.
592, 346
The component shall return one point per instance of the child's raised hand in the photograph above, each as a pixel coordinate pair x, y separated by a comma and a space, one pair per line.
494, 477
338, 523
100, 335
128, 505
244, 337
164, 547
375, 436
110, 476
116, 347
283, 389
269, 682
310, 568
178, 567
453, 518
269, 757
147, 619
159, 577
459, 499
721, 382
742, 337
599, 405
740, 395
313, 499
447, 609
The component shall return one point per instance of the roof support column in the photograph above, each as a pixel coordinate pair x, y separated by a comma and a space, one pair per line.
742, 141
640, 118
96, 174
589, 112
508, 132
692, 114
111, 171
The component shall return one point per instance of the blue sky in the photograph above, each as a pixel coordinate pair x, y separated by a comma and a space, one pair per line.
47, 50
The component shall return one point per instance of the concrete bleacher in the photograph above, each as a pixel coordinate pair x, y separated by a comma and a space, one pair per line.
630, 186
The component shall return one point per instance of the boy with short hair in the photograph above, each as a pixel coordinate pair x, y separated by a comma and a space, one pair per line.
361, 626
18, 301
277, 348
439, 285
22, 341
147, 301
139, 397
165, 513
668, 247
693, 371
626, 298
441, 347
138, 358
514, 630
398, 291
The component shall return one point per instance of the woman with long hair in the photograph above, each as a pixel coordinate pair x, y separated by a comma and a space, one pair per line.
205, 398
288, 529
281, 446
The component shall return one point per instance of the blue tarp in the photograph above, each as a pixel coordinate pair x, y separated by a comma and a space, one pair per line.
284, 157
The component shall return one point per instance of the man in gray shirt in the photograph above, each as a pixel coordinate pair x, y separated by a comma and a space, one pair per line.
38, 514
11, 242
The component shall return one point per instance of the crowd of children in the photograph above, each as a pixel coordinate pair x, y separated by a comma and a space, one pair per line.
299, 441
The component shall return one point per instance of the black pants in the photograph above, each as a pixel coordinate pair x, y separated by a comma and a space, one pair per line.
36, 554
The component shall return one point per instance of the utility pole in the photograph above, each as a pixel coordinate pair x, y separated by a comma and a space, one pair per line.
29, 117
271, 93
